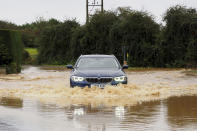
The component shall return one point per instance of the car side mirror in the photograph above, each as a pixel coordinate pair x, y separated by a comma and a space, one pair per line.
125, 67
69, 67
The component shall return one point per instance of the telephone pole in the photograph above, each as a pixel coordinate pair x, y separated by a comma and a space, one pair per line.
87, 12
102, 9
92, 4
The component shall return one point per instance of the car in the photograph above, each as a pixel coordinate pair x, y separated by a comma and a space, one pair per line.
97, 70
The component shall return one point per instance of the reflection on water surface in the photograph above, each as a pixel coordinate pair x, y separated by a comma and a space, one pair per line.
176, 113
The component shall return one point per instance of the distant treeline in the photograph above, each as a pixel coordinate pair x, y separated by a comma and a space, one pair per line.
148, 43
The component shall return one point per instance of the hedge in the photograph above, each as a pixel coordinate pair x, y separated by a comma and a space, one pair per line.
11, 49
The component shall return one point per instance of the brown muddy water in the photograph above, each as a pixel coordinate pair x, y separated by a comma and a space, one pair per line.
41, 100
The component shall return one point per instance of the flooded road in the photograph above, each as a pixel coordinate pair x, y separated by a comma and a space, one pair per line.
39, 100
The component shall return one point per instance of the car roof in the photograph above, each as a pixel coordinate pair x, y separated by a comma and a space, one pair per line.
98, 55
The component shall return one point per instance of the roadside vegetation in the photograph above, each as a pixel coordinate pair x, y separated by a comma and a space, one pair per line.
148, 43
11, 51
32, 55
33, 52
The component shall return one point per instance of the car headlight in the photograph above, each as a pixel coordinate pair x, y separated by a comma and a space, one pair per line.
77, 79
120, 79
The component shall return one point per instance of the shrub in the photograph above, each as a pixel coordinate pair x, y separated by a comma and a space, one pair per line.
11, 50
55, 42
180, 43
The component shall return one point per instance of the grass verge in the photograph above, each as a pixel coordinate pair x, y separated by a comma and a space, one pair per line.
33, 52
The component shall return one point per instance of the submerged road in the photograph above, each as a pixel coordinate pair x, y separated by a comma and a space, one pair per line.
40, 100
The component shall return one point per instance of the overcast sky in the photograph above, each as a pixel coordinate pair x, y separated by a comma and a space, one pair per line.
27, 11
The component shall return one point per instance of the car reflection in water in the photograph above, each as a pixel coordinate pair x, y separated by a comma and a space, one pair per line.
98, 117
79, 112
120, 112
113, 118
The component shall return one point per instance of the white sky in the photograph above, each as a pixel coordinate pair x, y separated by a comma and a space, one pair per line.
27, 11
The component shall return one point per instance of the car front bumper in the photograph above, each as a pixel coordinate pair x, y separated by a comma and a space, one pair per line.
87, 84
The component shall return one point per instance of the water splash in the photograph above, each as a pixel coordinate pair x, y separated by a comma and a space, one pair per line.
52, 86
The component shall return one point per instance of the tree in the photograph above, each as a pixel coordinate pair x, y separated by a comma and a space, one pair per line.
93, 37
31, 32
55, 43
139, 32
178, 35
8, 25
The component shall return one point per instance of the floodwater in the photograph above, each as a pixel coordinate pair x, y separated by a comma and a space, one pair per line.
41, 100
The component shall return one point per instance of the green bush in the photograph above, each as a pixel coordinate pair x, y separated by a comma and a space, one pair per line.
31, 32
148, 43
11, 50
4, 54
179, 36
12, 68
138, 32
93, 38
55, 47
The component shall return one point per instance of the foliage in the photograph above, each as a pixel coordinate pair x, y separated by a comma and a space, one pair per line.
108, 32
55, 43
8, 25
93, 38
12, 68
30, 56
147, 43
31, 32
180, 36
33, 52
26, 57
138, 32
12, 49
4, 54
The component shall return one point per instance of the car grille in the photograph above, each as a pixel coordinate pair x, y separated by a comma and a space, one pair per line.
99, 80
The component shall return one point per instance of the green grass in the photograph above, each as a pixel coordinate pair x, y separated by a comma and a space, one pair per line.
33, 52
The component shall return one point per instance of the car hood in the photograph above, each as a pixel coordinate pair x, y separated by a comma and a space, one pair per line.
98, 72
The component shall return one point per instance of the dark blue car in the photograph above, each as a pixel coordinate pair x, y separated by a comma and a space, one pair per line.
97, 70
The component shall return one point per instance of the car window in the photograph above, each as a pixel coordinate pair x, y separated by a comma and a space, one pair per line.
97, 63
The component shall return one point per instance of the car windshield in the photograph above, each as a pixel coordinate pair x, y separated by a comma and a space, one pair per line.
98, 62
